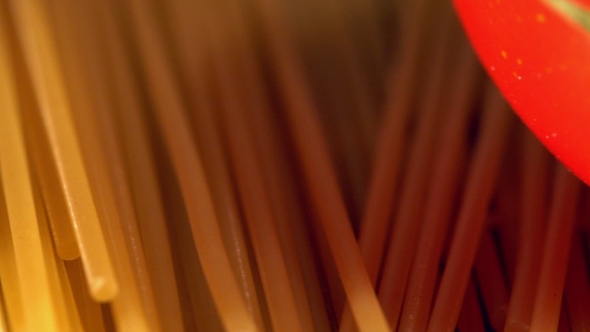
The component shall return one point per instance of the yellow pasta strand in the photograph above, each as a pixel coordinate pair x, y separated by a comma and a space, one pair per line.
8, 273
67, 314
41, 55
31, 267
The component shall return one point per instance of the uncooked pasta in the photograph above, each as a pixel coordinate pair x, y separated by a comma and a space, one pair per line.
273, 165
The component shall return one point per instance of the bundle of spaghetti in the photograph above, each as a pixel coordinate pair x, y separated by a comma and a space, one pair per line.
273, 165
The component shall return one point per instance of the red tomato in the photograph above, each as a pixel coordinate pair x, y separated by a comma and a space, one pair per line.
539, 56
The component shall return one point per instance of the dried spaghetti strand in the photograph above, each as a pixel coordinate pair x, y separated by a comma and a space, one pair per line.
491, 281
135, 307
46, 175
533, 212
363, 116
140, 170
231, 221
265, 139
52, 190
72, 311
564, 321
470, 318
66, 311
409, 215
195, 76
444, 186
188, 165
319, 171
558, 238
291, 225
483, 171
15, 312
42, 59
3, 318
340, 88
199, 310
503, 216
31, 266
388, 152
272, 263
294, 234
577, 288
203, 308
91, 313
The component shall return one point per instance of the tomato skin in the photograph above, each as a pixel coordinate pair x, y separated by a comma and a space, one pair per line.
540, 60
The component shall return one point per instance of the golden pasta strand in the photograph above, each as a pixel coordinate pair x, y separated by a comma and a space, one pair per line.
41, 56
31, 266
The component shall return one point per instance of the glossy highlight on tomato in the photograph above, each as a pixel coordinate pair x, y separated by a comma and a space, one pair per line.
538, 53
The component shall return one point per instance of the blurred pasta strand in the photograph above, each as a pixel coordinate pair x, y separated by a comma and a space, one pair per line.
273, 165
